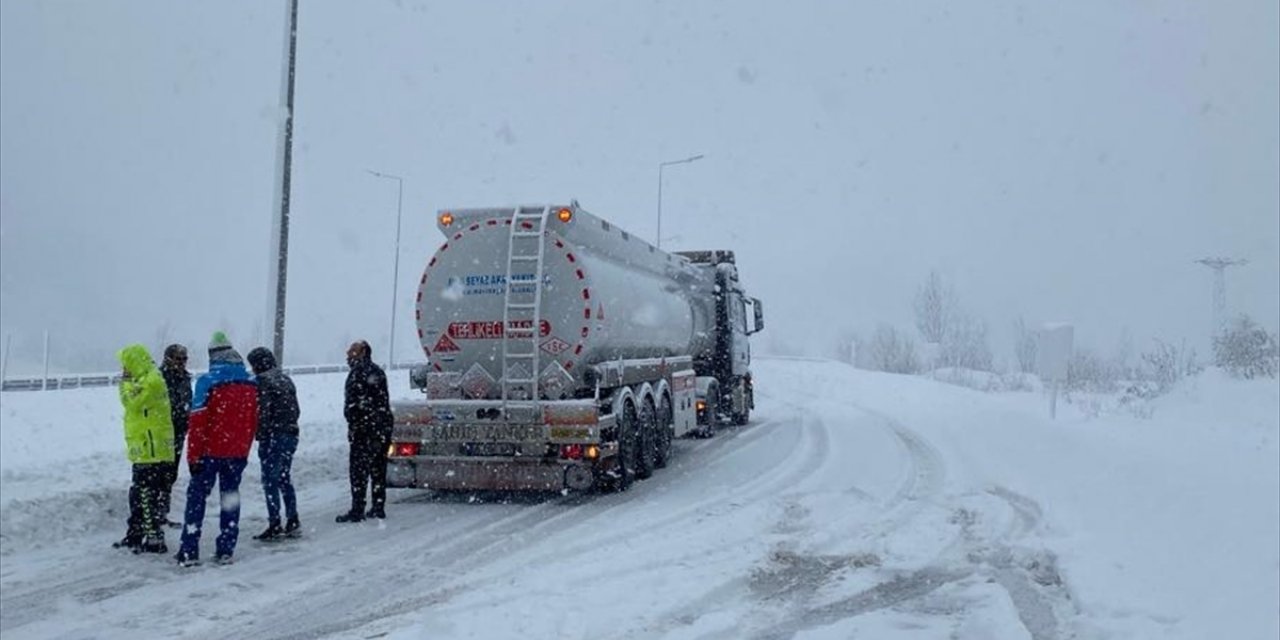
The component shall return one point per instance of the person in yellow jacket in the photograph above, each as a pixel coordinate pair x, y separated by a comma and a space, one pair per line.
148, 436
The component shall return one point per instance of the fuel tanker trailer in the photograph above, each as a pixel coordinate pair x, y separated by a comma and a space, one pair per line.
564, 353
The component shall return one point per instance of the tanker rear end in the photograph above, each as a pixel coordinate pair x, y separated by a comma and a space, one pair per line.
560, 351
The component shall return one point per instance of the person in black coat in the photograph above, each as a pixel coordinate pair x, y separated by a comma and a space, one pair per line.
277, 438
368, 412
178, 380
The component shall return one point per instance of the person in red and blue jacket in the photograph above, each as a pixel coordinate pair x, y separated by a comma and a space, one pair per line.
224, 419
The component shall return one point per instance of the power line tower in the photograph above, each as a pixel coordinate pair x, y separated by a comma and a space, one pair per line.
1219, 266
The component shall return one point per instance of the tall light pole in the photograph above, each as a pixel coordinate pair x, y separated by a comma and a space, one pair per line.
395, 278
284, 155
661, 166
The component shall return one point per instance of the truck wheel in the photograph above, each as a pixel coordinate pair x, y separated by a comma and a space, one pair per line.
741, 418
628, 448
647, 428
666, 433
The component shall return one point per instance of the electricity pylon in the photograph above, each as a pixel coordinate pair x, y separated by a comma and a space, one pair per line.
1219, 266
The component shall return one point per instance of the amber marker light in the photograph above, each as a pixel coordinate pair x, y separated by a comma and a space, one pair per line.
564, 215
446, 219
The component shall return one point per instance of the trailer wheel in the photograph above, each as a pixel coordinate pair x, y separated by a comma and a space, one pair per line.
666, 433
648, 436
627, 461
711, 415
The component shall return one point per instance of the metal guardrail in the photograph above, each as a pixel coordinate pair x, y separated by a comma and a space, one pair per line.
113, 379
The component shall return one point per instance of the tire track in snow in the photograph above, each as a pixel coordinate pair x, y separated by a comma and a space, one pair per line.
477, 549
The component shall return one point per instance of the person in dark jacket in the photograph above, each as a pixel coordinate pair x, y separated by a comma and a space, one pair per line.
178, 380
148, 437
224, 417
368, 412
277, 441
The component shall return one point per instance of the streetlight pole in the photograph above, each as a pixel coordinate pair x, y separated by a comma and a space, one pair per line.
395, 278
661, 166
279, 266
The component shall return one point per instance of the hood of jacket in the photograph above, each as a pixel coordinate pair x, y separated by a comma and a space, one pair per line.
136, 360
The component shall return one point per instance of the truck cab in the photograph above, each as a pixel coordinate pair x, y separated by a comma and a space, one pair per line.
724, 370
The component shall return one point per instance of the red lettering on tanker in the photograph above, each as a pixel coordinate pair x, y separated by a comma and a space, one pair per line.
491, 329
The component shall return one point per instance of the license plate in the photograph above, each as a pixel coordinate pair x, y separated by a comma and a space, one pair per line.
489, 448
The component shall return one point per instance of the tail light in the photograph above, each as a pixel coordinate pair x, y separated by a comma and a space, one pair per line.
403, 449
571, 451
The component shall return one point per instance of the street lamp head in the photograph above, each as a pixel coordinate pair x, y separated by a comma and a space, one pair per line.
682, 161
382, 175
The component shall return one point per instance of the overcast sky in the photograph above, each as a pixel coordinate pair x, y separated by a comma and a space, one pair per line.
1056, 161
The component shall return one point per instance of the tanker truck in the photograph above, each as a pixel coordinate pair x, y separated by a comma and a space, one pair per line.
565, 354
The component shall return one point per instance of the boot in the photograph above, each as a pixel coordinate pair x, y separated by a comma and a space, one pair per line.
293, 528
377, 512
129, 541
185, 560
273, 532
153, 544
355, 515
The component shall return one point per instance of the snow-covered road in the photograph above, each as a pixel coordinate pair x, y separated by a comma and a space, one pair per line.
854, 504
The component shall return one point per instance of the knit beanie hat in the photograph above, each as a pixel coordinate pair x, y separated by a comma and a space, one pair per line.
220, 349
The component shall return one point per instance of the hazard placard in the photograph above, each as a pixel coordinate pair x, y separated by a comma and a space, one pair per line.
555, 346
445, 345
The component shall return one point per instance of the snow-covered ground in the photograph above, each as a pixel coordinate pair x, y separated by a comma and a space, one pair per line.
855, 504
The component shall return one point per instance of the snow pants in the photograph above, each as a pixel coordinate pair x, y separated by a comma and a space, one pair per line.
226, 473
148, 481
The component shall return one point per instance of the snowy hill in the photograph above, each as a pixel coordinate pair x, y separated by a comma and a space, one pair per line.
855, 504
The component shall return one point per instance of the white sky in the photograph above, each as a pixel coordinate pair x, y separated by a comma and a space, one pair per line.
1060, 162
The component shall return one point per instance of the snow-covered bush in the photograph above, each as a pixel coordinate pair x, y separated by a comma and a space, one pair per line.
1086, 371
964, 345
1246, 350
987, 381
1166, 364
892, 351
1024, 346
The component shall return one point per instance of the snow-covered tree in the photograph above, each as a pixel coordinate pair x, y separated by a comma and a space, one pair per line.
935, 307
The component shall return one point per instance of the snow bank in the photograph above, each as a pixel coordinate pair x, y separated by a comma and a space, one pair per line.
1167, 525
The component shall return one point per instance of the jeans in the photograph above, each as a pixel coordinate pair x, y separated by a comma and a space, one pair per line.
226, 472
171, 474
275, 452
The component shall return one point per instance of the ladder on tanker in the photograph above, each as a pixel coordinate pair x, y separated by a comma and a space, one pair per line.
522, 308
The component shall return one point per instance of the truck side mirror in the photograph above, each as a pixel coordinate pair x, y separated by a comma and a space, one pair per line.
759, 315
